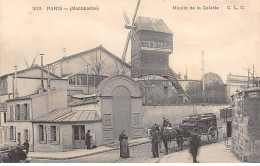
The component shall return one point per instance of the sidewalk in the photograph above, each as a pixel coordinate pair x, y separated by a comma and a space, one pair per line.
82, 152
213, 153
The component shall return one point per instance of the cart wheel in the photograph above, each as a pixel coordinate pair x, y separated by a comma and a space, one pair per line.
212, 134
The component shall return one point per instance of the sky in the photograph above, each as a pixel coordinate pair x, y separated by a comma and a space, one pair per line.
230, 38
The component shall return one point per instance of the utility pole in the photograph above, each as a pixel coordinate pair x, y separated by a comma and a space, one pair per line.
48, 76
203, 81
248, 81
15, 82
42, 71
87, 80
253, 75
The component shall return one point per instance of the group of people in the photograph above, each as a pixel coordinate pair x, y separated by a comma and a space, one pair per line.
124, 147
156, 136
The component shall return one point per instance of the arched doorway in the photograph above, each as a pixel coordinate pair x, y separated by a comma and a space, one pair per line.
121, 111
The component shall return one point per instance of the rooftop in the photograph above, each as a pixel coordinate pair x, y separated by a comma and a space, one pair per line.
93, 49
67, 115
28, 69
152, 24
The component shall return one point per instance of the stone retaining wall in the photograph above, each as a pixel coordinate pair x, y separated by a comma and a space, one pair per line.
155, 114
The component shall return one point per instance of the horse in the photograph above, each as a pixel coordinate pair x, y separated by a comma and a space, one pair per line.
169, 134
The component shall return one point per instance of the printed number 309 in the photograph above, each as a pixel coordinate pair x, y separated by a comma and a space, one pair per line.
36, 8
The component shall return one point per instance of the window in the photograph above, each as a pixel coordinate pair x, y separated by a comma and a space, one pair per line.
76, 132
12, 133
53, 133
82, 132
11, 113
41, 133
5, 117
26, 134
26, 111
19, 138
17, 112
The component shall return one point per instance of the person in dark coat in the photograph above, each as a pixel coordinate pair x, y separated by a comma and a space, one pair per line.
26, 146
87, 140
166, 123
155, 143
194, 144
124, 148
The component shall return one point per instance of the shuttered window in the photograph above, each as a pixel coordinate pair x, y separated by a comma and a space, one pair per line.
5, 117
12, 133
53, 133
11, 113
28, 112
26, 134
17, 112
41, 133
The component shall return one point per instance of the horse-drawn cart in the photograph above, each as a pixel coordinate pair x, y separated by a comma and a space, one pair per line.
205, 124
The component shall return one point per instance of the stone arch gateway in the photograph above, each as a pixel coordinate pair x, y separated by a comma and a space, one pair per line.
121, 108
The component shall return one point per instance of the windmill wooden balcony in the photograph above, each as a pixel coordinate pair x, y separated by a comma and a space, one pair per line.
157, 46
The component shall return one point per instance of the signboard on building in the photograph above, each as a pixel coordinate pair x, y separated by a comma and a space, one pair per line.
226, 113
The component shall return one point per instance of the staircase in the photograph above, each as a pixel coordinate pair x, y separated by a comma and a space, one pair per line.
171, 77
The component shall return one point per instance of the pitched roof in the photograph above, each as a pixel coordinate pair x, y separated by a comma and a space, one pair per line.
93, 49
152, 24
28, 69
67, 115
83, 102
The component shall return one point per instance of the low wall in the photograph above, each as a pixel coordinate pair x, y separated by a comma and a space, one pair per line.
155, 114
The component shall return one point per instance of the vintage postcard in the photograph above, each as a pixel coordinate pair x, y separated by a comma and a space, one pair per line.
133, 81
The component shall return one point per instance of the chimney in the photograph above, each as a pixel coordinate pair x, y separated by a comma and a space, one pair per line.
42, 85
186, 75
15, 82
48, 82
179, 75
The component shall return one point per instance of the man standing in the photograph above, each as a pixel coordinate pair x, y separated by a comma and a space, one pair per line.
194, 145
26, 146
166, 123
87, 142
155, 141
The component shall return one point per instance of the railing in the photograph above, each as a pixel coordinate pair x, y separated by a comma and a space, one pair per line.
160, 46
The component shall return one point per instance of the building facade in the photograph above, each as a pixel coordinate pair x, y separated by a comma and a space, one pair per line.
96, 61
22, 111
23, 83
238, 83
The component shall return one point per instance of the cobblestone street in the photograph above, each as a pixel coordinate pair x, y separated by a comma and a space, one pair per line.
140, 154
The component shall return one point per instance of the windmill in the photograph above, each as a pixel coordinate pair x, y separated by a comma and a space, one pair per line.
131, 34
149, 57
32, 61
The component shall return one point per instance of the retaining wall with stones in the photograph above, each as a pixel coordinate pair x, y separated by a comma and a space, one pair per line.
246, 126
155, 114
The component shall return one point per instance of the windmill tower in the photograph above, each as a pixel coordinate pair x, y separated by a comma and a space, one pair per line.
151, 45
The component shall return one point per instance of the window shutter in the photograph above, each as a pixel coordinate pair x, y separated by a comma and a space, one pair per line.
14, 133
8, 133
28, 112
28, 135
58, 134
24, 134
15, 113
49, 134
37, 133
45, 133
21, 112
11, 116
8, 114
